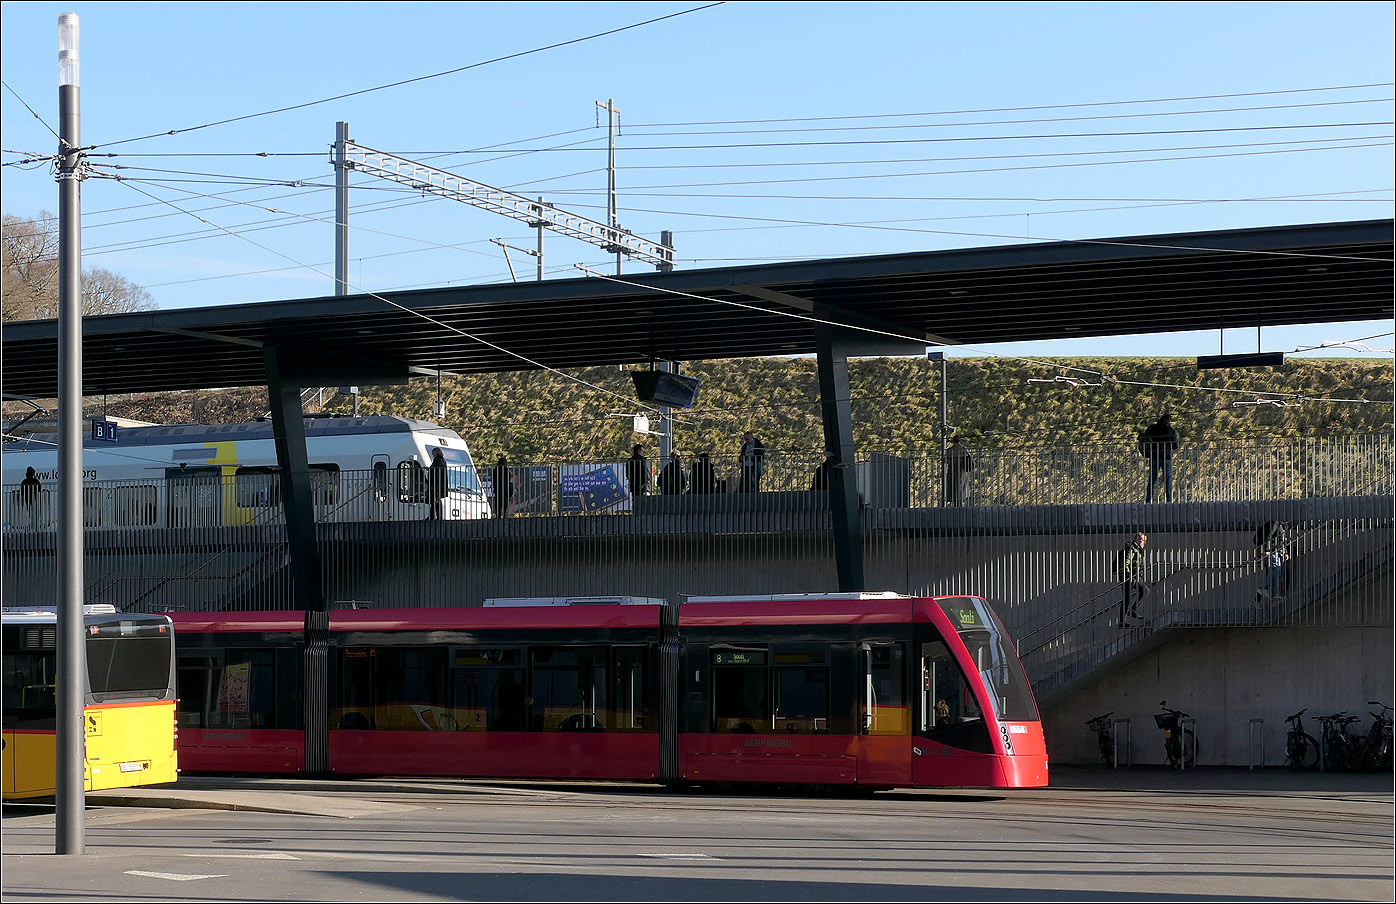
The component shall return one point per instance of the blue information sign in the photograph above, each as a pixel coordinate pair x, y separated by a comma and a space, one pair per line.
104, 431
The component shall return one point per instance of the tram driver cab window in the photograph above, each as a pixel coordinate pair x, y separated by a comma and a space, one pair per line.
949, 712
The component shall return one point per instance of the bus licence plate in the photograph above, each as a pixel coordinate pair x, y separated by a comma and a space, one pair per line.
133, 767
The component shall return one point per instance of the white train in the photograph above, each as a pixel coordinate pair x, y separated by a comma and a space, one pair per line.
203, 475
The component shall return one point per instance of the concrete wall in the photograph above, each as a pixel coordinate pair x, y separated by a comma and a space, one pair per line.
1224, 677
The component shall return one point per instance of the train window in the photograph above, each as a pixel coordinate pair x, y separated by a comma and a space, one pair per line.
460, 471
409, 691
133, 506
885, 704
257, 487
569, 689
488, 690
630, 711
741, 698
995, 658
380, 481
353, 705
92, 498
324, 484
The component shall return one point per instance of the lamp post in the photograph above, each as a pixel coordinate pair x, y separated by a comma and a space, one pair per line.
69, 784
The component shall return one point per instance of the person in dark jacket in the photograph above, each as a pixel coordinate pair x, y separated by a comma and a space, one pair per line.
1130, 569
637, 471
1157, 444
672, 479
820, 484
704, 478
752, 459
503, 485
958, 464
438, 484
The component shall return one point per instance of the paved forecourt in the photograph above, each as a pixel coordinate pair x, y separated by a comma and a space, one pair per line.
1096, 834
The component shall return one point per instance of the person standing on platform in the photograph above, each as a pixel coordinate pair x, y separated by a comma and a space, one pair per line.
958, 464
704, 478
820, 484
673, 481
637, 471
753, 463
503, 486
438, 483
30, 491
1157, 445
1130, 569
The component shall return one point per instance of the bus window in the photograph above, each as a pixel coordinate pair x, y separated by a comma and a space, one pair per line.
126, 664
740, 698
950, 713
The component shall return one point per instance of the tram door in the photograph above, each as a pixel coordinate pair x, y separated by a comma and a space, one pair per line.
195, 496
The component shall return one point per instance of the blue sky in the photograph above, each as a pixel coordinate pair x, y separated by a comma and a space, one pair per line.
754, 131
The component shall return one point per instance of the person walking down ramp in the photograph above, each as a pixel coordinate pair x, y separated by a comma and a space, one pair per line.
1130, 570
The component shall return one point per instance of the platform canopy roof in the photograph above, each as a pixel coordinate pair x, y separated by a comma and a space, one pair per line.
1140, 284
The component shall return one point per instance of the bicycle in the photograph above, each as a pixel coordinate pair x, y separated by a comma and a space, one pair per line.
1179, 744
1338, 745
1102, 727
1301, 749
1374, 753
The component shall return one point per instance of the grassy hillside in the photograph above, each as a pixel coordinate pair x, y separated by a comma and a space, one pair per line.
541, 416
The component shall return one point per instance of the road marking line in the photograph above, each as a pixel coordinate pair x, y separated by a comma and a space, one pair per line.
681, 856
173, 877
246, 856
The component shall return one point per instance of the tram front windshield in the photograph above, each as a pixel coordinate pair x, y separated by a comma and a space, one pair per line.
994, 657
460, 471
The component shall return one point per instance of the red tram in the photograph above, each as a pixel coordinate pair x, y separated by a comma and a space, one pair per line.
869, 690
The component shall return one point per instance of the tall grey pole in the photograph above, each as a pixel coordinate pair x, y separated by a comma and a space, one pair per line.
69, 776
341, 208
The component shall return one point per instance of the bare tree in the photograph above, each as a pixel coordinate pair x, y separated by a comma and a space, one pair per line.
30, 275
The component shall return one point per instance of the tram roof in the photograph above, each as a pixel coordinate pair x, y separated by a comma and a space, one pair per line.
1026, 292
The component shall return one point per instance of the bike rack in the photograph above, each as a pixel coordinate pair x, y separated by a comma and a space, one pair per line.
1183, 725
1257, 729
1115, 739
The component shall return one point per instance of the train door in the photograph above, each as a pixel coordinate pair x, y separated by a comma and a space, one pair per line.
380, 465
195, 496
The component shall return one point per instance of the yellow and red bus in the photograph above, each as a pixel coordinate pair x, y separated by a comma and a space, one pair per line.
128, 700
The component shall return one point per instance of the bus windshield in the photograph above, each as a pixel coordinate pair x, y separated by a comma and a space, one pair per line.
994, 657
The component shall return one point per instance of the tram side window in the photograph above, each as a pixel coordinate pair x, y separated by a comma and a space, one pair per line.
409, 691
569, 689
630, 695
886, 705
741, 701
245, 691
800, 678
353, 705
949, 712
380, 481
487, 689
196, 677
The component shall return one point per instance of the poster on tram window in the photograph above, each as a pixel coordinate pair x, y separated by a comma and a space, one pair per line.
233, 690
593, 488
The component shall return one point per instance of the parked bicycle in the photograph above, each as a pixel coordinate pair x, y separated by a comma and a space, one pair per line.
1179, 743
1102, 727
1339, 747
1374, 751
1301, 748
